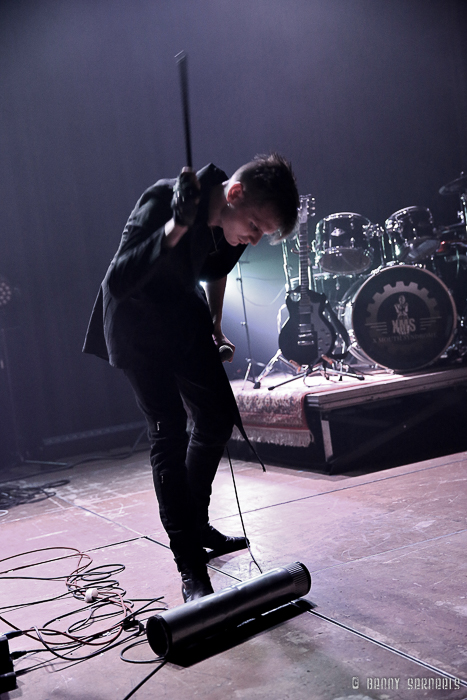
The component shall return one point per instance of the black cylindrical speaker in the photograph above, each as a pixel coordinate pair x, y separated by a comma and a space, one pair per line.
189, 623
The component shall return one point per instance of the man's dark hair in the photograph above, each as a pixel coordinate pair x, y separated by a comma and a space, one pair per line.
269, 180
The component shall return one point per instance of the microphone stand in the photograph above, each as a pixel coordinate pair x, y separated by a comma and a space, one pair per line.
251, 362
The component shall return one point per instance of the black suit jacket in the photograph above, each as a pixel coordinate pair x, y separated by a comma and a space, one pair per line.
147, 290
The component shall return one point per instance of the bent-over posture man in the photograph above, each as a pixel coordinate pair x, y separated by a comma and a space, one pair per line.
153, 320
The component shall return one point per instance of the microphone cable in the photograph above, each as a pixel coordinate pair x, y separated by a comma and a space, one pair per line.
240, 511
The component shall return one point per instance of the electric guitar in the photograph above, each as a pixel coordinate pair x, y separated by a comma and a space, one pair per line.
307, 334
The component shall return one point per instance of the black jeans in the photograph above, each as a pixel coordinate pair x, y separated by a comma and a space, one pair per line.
183, 466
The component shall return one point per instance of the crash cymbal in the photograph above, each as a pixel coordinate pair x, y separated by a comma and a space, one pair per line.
456, 186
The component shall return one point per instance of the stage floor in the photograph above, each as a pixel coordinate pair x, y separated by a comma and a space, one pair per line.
386, 551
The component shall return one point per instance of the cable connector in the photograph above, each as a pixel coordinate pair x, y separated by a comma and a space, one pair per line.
130, 623
18, 654
13, 634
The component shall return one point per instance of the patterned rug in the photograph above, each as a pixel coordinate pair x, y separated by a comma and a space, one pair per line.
275, 416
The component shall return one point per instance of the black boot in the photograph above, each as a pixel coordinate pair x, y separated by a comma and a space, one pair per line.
218, 544
195, 583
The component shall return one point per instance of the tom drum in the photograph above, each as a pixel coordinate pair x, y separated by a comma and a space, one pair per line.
342, 244
411, 235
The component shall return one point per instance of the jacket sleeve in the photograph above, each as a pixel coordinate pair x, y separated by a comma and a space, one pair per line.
94, 342
135, 261
220, 263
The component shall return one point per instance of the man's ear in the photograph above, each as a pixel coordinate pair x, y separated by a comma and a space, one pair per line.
235, 193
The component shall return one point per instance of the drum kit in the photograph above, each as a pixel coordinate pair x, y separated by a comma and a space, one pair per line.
399, 290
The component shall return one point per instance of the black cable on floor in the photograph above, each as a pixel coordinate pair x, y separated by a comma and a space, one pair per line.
137, 687
138, 661
11, 496
240, 511
94, 585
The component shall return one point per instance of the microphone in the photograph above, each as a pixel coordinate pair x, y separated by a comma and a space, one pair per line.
226, 353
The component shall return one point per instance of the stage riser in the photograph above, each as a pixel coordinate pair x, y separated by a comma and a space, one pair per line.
381, 421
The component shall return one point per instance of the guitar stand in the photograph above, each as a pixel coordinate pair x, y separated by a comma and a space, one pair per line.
278, 357
327, 367
250, 370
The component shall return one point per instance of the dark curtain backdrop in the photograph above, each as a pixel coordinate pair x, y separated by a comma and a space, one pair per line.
367, 98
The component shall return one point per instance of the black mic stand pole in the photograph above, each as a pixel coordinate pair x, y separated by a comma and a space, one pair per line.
251, 362
182, 60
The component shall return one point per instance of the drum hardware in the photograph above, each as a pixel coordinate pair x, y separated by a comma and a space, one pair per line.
458, 186
449, 263
453, 248
454, 232
333, 286
401, 317
460, 345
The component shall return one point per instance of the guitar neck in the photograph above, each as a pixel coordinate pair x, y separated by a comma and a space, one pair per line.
304, 267
303, 259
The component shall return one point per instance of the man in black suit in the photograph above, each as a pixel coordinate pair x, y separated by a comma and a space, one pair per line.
153, 319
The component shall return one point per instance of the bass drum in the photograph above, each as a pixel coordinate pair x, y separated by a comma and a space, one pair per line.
401, 317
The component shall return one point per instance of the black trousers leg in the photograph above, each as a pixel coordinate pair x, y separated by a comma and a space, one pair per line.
208, 395
183, 469
166, 419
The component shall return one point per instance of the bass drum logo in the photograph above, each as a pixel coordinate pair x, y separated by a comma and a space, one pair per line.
403, 317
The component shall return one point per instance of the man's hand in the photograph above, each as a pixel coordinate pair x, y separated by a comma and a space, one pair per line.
215, 295
226, 348
186, 196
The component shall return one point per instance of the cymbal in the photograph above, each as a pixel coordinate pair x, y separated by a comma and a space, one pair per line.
452, 228
456, 186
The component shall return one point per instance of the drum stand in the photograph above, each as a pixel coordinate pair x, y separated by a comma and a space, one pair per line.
327, 368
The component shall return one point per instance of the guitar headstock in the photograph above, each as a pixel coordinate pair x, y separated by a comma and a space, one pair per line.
307, 208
